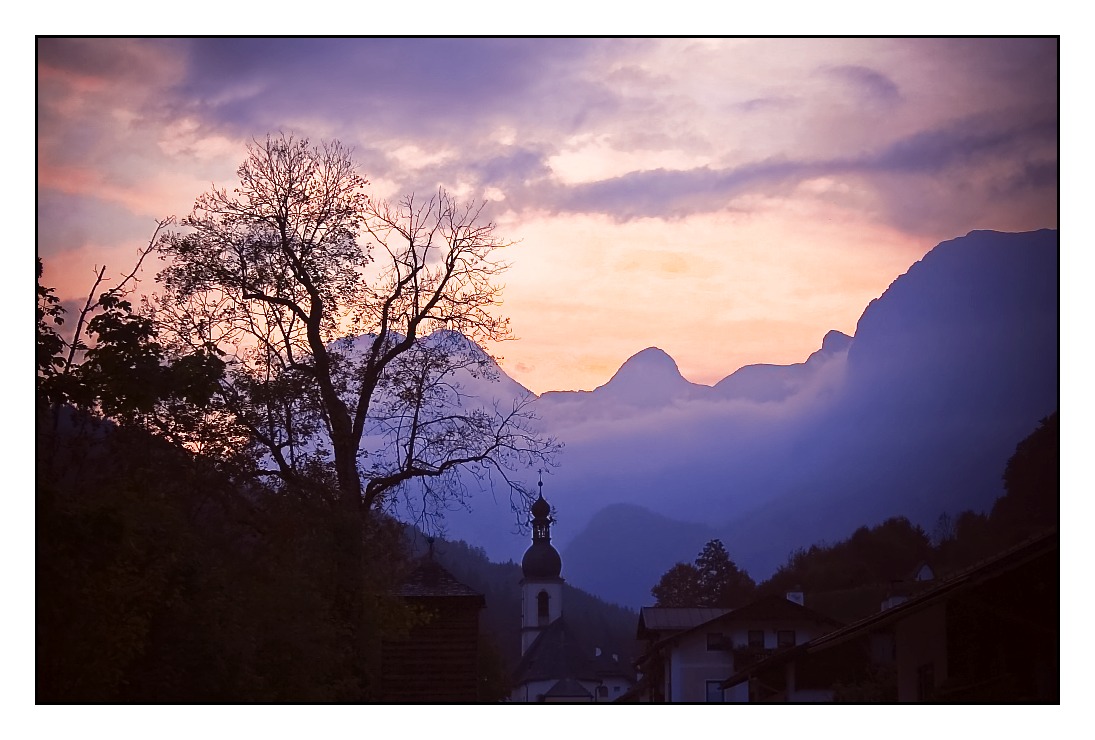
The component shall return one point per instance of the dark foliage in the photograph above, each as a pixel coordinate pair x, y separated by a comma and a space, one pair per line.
712, 581
159, 581
1033, 482
167, 575
848, 579
678, 587
880, 554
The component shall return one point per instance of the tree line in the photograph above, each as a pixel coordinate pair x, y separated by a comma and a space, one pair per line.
848, 579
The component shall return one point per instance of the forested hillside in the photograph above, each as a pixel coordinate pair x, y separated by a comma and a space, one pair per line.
850, 578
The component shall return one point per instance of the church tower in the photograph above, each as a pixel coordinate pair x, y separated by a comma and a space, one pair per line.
541, 586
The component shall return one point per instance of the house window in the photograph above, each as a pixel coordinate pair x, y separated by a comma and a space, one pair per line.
714, 692
785, 638
602, 692
756, 638
717, 641
925, 682
542, 607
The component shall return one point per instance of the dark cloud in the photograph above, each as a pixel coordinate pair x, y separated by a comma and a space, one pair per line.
963, 142
760, 105
978, 173
675, 193
108, 60
514, 164
971, 163
69, 223
872, 85
454, 96
401, 85
1021, 68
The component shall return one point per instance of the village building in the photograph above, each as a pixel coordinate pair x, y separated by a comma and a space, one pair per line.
689, 652
437, 662
556, 665
989, 633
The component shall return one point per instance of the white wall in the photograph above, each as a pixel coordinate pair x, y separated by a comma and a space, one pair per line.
692, 665
530, 625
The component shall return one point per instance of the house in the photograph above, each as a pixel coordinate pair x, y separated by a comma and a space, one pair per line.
989, 633
556, 664
438, 660
690, 651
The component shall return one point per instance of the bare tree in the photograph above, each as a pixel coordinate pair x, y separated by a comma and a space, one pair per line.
342, 320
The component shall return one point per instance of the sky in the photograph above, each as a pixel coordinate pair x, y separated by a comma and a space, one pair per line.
728, 200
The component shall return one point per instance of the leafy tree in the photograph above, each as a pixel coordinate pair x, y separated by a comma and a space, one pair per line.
944, 530
49, 345
1032, 480
722, 583
165, 571
114, 366
713, 581
871, 555
678, 587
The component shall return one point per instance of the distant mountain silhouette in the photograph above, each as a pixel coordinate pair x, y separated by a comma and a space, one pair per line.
624, 537
648, 380
951, 367
779, 382
915, 415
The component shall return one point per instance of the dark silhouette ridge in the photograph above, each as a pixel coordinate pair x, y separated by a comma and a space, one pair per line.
914, 416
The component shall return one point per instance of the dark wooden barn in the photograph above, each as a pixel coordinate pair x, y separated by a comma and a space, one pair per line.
438, 660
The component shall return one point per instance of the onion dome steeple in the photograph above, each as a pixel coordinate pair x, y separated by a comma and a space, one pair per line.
541, 560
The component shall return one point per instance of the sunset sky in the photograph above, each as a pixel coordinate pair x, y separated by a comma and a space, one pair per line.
729, 201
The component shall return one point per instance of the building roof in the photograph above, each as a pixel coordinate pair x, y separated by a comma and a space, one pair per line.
541, 562
429, 579
673, 619
774, 608
558, 653
568, 688
1003, 562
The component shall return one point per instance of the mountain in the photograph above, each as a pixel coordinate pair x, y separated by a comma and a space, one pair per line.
622, 538
648, 380
779, 382
914, 415
952, 366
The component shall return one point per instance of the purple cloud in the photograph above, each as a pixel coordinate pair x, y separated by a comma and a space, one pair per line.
872, 85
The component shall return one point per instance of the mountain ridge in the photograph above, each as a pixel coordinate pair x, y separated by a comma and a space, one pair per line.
913, 415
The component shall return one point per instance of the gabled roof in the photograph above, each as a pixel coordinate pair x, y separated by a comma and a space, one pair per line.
558, 653
986, 569
774, 608
429, 579
568, 688
674, 619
